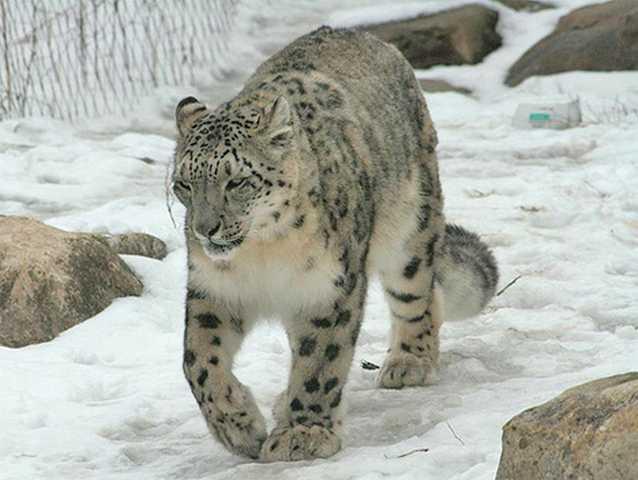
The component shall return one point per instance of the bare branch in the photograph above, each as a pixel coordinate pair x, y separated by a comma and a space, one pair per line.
411, 452
454, 433
508, 285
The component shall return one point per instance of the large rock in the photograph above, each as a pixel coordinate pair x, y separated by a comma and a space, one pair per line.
458, 36
51, 280
589, 432
141, 244
435, 85
526, 5
601, 37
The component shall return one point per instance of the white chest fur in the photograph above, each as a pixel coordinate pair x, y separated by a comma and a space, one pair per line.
269, 279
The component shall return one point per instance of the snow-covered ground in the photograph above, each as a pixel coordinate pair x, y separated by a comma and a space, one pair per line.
107, 400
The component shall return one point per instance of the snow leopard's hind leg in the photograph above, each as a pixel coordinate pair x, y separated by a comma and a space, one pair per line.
212, 337
415, 304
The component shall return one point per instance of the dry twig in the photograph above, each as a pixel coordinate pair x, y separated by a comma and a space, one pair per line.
508, 285
416, 450
454, 433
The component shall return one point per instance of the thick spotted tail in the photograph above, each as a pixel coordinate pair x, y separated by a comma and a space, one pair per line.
466, 273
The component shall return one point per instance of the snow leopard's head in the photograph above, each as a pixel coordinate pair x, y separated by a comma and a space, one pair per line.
235, 171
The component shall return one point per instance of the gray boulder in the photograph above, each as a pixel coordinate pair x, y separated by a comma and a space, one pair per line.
141, 244
589, 432
600, 37
526, 5
434, 85
463, 35
51, 280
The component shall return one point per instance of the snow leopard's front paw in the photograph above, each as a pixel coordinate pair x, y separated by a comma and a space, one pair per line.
406, 370
300, 443
233, 417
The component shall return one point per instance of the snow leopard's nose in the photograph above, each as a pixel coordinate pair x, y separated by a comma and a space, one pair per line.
207, 230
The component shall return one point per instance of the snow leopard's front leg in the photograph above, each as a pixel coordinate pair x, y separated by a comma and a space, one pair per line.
309, 412
213, 335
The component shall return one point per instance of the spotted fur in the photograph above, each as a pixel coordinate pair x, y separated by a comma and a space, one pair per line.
320, 172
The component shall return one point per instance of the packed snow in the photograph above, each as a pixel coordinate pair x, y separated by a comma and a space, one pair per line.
107, 398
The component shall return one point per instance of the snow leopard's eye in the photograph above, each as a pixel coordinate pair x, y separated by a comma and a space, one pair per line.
237, 183
182, 191
181, 185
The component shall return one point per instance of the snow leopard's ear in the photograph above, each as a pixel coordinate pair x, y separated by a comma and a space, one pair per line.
276, 122
188, 110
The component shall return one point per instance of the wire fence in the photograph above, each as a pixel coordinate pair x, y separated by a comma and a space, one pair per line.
82, 58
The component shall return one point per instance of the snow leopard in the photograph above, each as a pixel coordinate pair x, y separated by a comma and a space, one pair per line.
317, 175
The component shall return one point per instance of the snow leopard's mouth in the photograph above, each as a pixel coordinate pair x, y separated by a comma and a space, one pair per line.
221, 249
